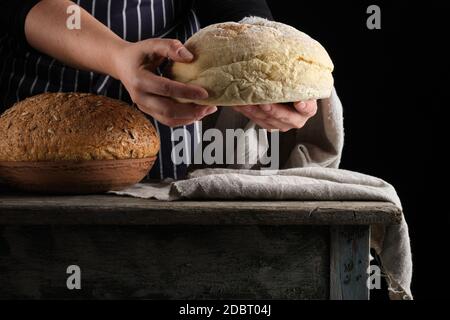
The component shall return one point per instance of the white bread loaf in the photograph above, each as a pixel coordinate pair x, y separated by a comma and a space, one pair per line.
256, 61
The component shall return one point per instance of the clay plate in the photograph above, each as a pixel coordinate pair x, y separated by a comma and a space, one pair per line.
74, 177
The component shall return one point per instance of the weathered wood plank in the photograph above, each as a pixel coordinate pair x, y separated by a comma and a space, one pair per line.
165, 262
349, 262
110, 209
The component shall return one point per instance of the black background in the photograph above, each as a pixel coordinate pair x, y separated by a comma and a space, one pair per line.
391, 82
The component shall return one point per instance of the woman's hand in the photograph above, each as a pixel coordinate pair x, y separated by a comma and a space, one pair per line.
96, 48
135, 65
283, 117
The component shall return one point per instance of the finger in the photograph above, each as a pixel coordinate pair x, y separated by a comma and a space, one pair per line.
168, 108
151, 83
290, 117
242, 108
283, 116
171, 122
171, 48
306, 108
269, 126
277, 116
284, 113
274, 124
262, 123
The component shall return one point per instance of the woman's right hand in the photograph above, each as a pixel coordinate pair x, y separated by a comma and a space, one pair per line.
135, 65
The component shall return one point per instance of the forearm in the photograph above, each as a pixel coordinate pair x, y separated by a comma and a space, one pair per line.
91, 47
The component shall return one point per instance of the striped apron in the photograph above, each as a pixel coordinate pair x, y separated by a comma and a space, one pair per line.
26, 72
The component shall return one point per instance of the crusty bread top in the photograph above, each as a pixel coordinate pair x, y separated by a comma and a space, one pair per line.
75, 126
256, 61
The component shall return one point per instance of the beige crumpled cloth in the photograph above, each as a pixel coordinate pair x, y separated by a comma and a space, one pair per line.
309, 158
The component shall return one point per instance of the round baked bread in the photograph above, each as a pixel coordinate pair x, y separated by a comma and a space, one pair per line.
255, 61
75, 126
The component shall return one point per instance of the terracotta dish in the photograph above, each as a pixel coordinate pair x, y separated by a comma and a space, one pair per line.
74, 177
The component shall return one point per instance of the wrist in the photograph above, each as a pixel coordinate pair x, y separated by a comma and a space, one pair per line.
114, 57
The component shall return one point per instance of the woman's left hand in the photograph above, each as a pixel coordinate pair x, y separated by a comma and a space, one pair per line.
283, 117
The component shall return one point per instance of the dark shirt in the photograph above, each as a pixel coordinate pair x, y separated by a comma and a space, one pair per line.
26, 72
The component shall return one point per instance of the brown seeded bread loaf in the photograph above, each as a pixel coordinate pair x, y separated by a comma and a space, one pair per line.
75, 126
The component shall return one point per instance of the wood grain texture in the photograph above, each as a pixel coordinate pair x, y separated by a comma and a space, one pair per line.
165, 262
349, 262
21, 209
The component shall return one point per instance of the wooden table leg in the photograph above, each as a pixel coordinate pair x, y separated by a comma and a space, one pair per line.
349, 262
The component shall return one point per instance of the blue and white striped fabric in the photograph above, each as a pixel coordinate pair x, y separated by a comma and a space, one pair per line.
27, 73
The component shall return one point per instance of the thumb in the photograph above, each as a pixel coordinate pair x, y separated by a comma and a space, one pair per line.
171, 48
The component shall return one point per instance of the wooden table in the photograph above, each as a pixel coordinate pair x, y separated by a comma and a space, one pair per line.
135, 248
